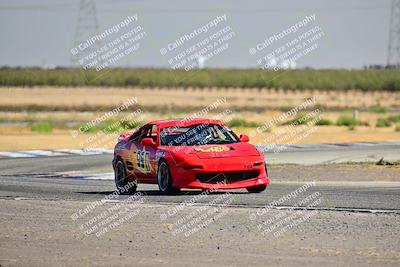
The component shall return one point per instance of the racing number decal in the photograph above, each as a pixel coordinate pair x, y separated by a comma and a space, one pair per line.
143, 160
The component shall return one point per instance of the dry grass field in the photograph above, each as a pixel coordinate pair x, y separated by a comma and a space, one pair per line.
67, 108
62, 139
187, 98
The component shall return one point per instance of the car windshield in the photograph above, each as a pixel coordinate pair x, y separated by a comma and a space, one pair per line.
198, 134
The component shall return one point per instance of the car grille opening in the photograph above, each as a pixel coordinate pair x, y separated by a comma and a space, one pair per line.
230, 177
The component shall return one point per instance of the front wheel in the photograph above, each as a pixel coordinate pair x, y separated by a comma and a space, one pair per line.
256, 189
121, 179
164, 179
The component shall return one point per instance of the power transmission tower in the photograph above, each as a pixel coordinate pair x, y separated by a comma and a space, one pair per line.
393, 60
87, 27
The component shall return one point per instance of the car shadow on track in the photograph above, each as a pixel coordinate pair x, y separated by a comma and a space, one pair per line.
158, 193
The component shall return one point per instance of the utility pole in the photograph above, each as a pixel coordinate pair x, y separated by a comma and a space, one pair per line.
86, 27
393, 60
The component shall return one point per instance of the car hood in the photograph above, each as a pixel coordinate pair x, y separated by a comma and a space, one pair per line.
225, 150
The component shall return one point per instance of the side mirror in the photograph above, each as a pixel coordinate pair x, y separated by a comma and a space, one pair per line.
244, 138
147, 142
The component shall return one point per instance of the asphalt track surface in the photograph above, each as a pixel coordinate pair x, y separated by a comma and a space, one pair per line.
69, 178
356, 223
328, 153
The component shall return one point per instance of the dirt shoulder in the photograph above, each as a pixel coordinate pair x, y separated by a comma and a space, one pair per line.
42, 233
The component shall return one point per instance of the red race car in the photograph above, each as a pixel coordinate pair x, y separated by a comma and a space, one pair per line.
196, 153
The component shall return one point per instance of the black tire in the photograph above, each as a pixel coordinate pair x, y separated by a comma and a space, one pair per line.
121, 179
256, 189
164, 179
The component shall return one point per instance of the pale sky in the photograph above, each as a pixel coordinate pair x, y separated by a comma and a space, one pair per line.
41, 32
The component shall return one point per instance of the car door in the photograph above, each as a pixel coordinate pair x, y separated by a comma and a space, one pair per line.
147, 158
143, 157
137, 159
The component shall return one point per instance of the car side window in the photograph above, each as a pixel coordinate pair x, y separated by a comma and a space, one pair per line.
140, 134
152, 133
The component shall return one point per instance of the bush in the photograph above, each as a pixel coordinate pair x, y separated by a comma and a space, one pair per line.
110, 126
397, 129
381, 122
394, 118
129, 125
345, 121
349, 121
323, 122
377, 109
106, 126
392, 85
42, 127
300, 119
242, 123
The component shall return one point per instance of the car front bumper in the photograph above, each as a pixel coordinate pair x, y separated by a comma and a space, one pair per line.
232, 173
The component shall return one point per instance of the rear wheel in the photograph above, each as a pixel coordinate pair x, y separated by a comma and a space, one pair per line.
256, 189
164, 179
121, 180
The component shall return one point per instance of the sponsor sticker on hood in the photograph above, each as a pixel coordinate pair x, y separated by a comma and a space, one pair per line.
209, 149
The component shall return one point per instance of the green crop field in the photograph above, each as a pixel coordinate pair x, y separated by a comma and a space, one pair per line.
366, 80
